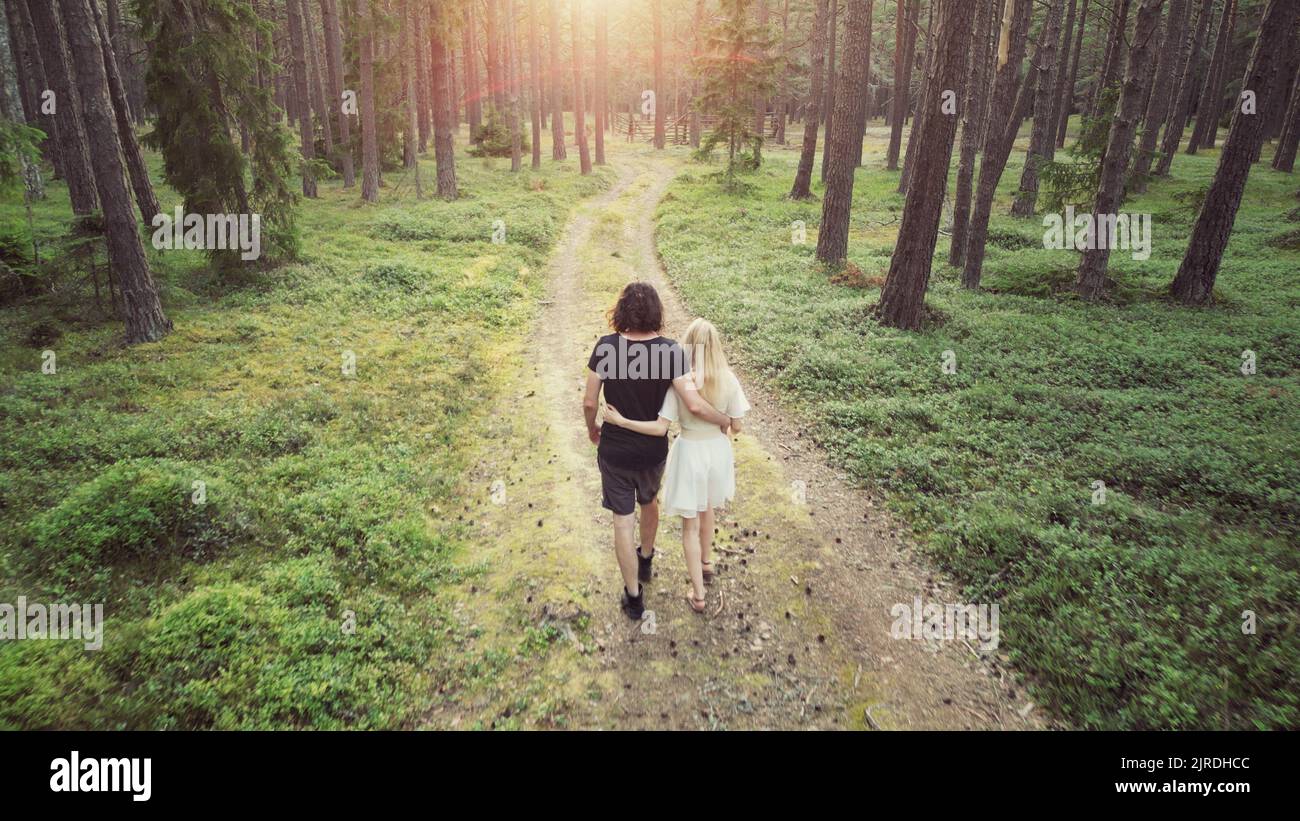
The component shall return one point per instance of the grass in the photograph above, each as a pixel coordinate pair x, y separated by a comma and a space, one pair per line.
1125, 614
304, 591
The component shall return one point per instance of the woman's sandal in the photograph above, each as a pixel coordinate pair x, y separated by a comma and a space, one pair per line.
698, 605
709, 573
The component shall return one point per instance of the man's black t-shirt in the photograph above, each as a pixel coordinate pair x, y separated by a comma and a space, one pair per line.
636, 377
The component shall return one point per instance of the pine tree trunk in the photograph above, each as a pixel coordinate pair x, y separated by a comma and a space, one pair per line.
423, 92
898, 110
812, 114
366, 69
657, 26
334, 60
783, 94
1068, 70
828, 105
1010, 98
317, 78
1170, 53
535, 85
411, 126
602, 79
922, 101
492, 38
1207, 110
142, 311
903, 295
510, 51
974, 110
833, 235
298, 49
473, 90
145, 199
1119, 147
444, 153
579, 111
557, 87
1042, 145
73, 147
1115, 47
695, 128
1193, 46
1287, 143
866, 87
1194, 284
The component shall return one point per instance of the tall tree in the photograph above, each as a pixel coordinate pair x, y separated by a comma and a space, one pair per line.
334, 62
1115, 46
444, 153
1194, 283
145, 199
1068, 70
473, 91
898, 109
423, 93
698, 26
510, 51
298, 53
1207, 110
316, 77
72, 136
1007, 104
974, 110
535, 84
1042, 140
1289, 140
1119, 147
921, 99
828, 109
1170, 53
1192, 60
812, 112
557, 87
866, 85
783, 94
492, 37
366, 68
410, 55
833, 234
579, 112
660, 90
602, 79
903, 294
141, 308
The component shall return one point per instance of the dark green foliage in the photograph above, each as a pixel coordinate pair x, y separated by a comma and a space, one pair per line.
202, 82
1074, 179
494, 138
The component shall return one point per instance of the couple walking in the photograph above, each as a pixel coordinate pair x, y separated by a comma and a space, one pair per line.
649, 382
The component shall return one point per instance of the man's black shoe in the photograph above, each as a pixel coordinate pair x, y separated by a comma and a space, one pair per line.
634, 606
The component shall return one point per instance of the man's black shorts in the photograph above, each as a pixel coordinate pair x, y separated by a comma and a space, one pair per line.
622, 489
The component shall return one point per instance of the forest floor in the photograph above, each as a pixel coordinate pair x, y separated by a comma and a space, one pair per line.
797, 632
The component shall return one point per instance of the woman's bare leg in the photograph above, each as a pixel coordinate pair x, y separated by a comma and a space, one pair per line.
691, 546
706, 534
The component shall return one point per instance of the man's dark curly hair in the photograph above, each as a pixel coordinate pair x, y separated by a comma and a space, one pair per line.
638, 310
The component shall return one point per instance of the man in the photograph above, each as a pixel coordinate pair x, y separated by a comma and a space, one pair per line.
636, 367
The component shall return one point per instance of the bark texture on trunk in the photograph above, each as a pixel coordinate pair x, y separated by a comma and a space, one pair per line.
145, 199
298, 49
535, 84
1006, 106
1119, 147
473, 89
444, 108
1284, 156
366, 68
1068, 70
833, 235
579, 111
1207, 110
903, 295
1194, 283
1169, 54
828, 104
141, 309
1193, 46
334, 61
1042, 142
73, 147
557, 86
602, 79
974, 110
898, 108
801, 189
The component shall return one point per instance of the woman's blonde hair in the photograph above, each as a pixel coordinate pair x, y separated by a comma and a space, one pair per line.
708, 362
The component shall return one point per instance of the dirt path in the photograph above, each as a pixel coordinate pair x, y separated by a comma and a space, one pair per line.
798, 630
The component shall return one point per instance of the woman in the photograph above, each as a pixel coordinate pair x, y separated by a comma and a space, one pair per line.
701, 473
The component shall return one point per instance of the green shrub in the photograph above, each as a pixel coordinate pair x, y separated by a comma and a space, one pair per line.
139, 512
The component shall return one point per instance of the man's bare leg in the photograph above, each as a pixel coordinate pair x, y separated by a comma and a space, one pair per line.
625, 550
649, 527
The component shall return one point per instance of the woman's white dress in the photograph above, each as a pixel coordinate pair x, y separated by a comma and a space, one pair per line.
701, 472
